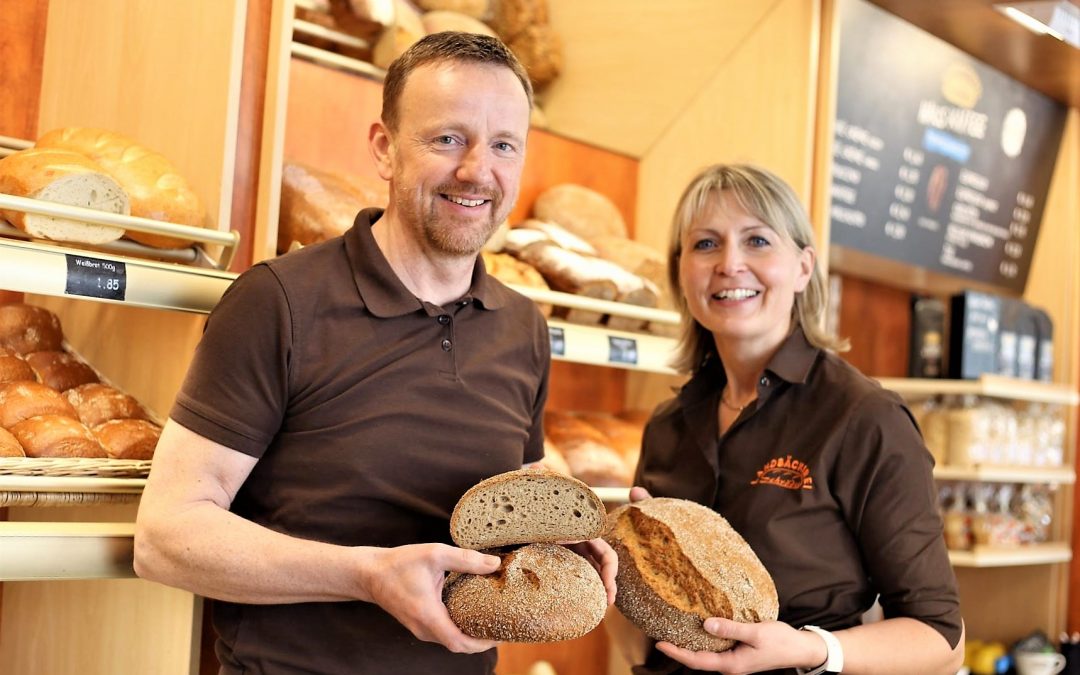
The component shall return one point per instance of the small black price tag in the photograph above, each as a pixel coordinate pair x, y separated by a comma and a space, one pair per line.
96, 278
558, 341
622, 350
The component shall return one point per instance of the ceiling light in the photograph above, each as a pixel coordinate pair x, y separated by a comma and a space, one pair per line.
1057, 18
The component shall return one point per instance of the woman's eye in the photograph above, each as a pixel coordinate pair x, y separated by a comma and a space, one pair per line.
704, 245
758, 242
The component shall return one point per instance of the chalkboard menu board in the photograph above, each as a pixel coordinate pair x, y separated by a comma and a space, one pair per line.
939, 161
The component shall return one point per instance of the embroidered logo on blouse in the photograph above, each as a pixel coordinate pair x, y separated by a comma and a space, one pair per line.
785, 472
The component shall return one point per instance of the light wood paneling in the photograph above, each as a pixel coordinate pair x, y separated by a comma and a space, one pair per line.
757, 108
165, 73
634, 66
20, 65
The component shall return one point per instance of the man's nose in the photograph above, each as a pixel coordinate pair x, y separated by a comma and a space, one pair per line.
475, 166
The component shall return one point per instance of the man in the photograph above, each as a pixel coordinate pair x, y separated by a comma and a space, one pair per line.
344, 396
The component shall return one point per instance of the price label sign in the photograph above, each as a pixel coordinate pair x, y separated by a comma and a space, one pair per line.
622, 350
558, 341
96, 278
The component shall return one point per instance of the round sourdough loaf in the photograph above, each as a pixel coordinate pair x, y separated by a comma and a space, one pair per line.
57, 436
29, 328
524, 507
9, 445
681, 563
128, 439
540, 593
97, 403
23, 400
60, 370
583, 211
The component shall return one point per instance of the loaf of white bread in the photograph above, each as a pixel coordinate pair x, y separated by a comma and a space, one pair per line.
681, 563
542, 592
89, 419
102, 170
317, 205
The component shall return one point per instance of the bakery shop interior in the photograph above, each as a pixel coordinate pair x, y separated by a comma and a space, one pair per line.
539, 337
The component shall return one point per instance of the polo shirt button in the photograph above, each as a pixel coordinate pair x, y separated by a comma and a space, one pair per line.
764, 381
443, 319
446, 345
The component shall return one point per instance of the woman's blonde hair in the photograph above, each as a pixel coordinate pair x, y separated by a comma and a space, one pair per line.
768, 198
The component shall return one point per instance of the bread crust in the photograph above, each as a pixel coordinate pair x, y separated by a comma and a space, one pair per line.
97, 403
57, 436
60, 370
29, 328
14, 369
681, 563
22, 400
541, 593
128, 439
9, 445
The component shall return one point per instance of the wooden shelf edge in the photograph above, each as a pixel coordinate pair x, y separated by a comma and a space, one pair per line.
1036, 554
993, 386
1063, 475
65, 551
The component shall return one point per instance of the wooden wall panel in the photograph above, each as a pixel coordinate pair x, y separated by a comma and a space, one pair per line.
22, 44
634, 66
877, 321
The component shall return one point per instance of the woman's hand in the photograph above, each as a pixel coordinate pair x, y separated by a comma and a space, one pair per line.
759, 646
603, 558
639, 493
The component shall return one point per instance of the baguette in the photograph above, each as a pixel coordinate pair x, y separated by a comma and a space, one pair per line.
156, 190
680, 563
540, 593
64, 177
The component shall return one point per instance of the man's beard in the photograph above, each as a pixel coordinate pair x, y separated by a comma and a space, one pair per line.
458, 237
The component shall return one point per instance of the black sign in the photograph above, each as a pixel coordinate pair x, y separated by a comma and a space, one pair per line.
96, 278
939, 161
558, 341
622, 350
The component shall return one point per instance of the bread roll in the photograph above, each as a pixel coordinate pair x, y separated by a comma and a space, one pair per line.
128, 439
15, 369
56, 436
317, 205
9, 445
60, 370
96, 403
540, 593
477, 9
23, 400
681, 563
526, 506
29, 328
156, 190
585, 212
64, 177
406, 30
442, 20
540, 51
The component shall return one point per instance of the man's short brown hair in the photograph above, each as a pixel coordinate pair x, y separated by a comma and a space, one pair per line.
448, 46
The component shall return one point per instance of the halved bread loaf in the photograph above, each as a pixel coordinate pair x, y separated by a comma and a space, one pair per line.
681, 563
540, 593
64, 177
526, 506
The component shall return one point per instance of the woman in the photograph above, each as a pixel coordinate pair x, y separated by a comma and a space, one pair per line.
821, 470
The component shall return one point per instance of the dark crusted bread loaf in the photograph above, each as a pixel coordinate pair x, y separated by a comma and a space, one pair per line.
29, 328
540, 593
526, 506
60, 370
681, 563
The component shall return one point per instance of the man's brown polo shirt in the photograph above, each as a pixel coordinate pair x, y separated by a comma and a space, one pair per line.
371, 412
826, 477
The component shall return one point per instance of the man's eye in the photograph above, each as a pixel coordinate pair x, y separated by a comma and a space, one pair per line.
445, 140
503, 146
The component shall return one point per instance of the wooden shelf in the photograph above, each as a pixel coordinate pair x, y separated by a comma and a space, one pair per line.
49, 551
1035, 554
610, 348
993, 386
1062, 475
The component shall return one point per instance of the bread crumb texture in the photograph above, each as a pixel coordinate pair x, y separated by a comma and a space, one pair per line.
540, 593
526, 506
681, 563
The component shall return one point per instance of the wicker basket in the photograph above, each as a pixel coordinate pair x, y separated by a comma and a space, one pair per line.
99, 468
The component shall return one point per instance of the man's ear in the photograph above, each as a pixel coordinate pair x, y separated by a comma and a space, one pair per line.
382, 149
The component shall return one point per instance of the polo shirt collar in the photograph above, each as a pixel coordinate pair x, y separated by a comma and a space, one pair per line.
383, 293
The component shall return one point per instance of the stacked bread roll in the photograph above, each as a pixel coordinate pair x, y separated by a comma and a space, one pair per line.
53, 405
542, 592
101, 170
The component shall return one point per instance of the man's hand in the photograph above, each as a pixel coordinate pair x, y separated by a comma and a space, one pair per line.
639, 493
603, 558
407, 582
